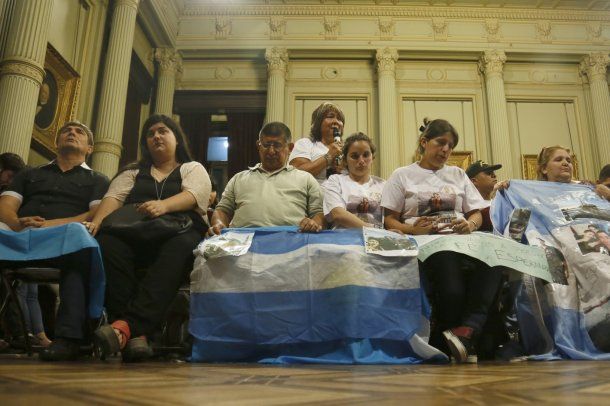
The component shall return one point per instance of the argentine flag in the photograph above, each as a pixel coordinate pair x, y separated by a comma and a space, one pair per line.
569, 318
307, 298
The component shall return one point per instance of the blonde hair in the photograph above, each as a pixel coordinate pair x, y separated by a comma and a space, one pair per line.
544, 157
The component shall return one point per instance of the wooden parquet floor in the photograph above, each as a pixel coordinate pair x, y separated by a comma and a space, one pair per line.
26, 381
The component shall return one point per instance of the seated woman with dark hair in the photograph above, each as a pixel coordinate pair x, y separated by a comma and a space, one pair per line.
165, 180
429, 197
353, 199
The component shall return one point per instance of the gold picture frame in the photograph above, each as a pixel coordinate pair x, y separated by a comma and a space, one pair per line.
56, 100
463, 159
529, 165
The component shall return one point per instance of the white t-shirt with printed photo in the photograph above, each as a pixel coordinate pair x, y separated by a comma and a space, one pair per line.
364, 200
305, 148
414, 191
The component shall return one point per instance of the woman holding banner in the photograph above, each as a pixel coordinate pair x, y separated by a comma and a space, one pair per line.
430, 197
569, 318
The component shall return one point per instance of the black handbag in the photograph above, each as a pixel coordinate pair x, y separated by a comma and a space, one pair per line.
128, 223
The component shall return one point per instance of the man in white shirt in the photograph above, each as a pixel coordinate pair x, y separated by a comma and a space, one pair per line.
483, 177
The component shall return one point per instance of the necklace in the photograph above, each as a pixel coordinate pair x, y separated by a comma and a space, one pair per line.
159, 195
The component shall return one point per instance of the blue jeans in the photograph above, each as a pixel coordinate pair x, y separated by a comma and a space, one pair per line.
28, 300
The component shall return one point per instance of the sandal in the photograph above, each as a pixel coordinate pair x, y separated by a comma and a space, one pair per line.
137, 349
110, 339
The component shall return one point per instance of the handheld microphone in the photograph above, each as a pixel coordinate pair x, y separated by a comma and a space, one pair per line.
337, 135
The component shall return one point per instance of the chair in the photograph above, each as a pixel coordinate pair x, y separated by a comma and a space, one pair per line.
11, 277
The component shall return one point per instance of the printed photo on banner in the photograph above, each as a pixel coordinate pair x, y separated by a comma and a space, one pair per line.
592, 238
585, 211
558, 266
388, 243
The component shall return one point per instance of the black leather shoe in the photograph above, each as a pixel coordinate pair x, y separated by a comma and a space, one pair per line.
62, 349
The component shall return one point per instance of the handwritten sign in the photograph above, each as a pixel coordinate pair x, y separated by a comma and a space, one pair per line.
490, 249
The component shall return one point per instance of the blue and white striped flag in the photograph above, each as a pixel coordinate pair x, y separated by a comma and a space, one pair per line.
569, 318
297, 297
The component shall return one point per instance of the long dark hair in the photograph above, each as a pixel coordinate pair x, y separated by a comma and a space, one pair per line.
182, 149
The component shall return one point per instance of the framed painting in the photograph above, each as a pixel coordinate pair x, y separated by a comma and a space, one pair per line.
529, 165
56, 101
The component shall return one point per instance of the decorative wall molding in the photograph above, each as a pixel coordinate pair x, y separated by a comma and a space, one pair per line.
386, 28
543, 31
200, 10
492, 27
168, 59
439, 26
223, 27
331, 27
594, 31
277, 25
22, 67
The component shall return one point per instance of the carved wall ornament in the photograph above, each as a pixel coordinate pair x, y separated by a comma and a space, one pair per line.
277, 59
594, 65
223, 27
439, 26
538, 76
386, 59
543, 31
168, 59
277, 26
330, 72
492, 27
594, 31
331, 27
436, 74
492, 61
386, 28
223, 73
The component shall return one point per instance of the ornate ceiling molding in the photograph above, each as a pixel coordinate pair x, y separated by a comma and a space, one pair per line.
200, 10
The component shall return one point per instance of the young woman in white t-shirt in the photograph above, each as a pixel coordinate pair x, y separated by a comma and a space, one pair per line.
429, 197
320, 152
353, 199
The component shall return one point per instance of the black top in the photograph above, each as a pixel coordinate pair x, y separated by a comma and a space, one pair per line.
50, 193
146, 188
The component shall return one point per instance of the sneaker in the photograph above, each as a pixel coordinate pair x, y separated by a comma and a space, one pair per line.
459, 340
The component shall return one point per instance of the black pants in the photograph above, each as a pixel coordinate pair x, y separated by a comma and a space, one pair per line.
142, 298
462, 290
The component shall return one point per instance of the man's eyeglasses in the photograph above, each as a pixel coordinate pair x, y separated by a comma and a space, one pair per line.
276, 145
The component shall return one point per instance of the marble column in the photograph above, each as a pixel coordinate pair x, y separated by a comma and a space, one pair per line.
389, 150
277, 64
169, 64
491, 65
21, 73
594, 66
113, 96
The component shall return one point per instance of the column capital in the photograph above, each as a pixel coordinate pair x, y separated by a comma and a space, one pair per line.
492, 61
386, 59
127, 3
22, 67
594, 65
169, 59
277, 59
109, 146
